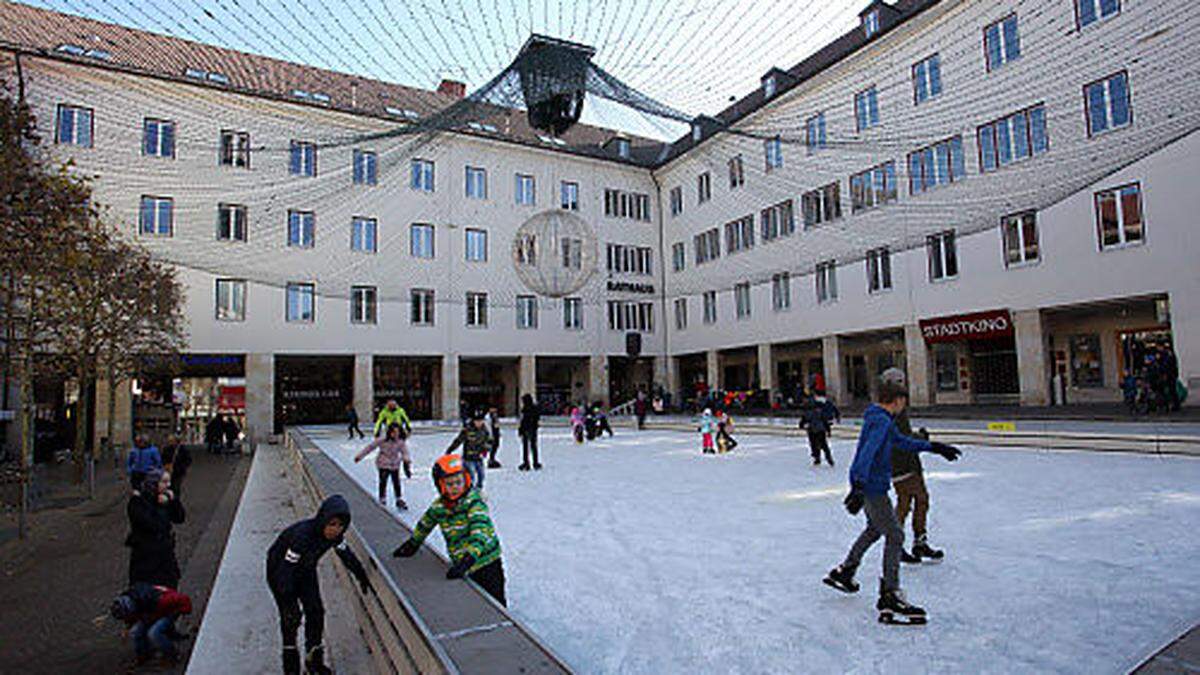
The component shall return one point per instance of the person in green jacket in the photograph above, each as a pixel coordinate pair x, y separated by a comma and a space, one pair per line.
391, 414
466, 526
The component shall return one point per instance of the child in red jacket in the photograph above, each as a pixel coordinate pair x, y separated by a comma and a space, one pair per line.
150, 612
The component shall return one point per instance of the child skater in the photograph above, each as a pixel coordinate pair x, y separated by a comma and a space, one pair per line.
577, 424
817, 419
392, 453
870, 480
708, 429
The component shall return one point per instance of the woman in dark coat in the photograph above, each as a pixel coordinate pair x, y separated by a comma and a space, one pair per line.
152, 510
528, 430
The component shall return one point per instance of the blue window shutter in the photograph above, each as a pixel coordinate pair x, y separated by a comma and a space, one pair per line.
874, 106
66, 125
922, 92
1012, 40
1118, 95
992, 40
1097, 112
1087, 11
168, 139
147, 216
370, 168
150, 138
164, 216
294, 164
935, 76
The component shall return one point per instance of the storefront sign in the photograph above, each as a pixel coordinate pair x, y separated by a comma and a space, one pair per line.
630, 287
978, 326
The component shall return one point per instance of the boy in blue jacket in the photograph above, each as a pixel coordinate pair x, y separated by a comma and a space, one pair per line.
870, 481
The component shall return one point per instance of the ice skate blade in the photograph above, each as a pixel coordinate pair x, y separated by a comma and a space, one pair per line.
893, 619
833, 584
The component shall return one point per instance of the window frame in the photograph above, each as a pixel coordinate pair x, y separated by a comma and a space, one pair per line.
710, 307
527, 312
467, 232
242, 209
303, 169
1124, 240
1108, 107
298, 286
428, 228
703, 187
519, 192
678, 256
956, 165
576, 313
928, 79
371, 309
364, 167
1100, 17
422, 302
945, 254
815, 137
156, 229
890, 189
742, 301
1023, 246
737, 172
870, 98
475, 176
773, 148
878, 262
422, 175
825, 281
355, 222
566, 188
781, 291
1031, 143
477, 307
233, 284
161, 123
311, 231
75, 110
236, 149
1003, 49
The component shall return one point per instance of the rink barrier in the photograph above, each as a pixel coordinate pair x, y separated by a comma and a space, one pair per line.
419, 621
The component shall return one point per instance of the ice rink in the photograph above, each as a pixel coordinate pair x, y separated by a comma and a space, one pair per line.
638, 554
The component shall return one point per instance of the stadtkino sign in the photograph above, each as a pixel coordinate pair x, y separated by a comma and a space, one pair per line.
978, 326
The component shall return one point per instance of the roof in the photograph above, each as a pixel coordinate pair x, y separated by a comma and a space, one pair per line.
105, 45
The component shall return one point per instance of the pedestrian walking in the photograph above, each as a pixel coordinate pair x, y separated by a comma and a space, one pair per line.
528, 430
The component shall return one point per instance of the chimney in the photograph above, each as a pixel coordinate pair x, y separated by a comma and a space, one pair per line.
453, 88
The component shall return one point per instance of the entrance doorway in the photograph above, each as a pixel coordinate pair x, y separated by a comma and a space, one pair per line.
407, 380
994, 370
312, 389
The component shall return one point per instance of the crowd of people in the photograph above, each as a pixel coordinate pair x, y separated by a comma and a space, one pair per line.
221, 434
1152, 385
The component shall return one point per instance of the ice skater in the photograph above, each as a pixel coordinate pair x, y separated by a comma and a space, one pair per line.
870, 480
292, 578
577, 424
391, 414
493, 420
816, 419
908, 478
392, 454
725, 439
707, 429
531, 415
466, 526
476, 442
352, 422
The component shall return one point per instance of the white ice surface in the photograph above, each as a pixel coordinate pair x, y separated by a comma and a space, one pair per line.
638, 554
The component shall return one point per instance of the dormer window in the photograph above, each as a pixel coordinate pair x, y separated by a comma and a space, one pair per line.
769, 86
870, 23
697, 133
623, 147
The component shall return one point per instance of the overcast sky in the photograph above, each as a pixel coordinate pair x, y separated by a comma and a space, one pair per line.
690, 54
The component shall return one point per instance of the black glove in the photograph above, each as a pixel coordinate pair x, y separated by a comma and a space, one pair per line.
364, 584
950, 452
407, 470
459, 569
406, 550
922, 434
855, 500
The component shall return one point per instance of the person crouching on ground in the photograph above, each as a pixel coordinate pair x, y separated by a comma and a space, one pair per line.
392, 452
870, 480
708, 429
150, 613
466, 526
476, 442
292, 578
153, 510
817, 419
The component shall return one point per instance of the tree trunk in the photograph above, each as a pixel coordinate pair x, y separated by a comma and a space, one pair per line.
81, 424
27, 430
112, 411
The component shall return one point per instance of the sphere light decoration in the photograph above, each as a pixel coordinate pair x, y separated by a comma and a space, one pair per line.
555, 253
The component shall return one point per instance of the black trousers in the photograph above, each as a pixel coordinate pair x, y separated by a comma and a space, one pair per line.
303, 603
529, 445
384, 475
818, 441
495, 444
491, 579
352, 428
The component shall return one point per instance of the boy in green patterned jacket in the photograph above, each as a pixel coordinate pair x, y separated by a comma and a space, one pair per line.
466, 526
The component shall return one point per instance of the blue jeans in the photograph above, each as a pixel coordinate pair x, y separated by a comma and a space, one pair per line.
475, 469
147, 639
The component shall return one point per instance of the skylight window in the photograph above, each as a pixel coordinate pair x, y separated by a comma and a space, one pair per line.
74, 50
402, 112
411, 114
100, 54
475, 125
219, 78
489, 128
300, 93
320, 98
195, 74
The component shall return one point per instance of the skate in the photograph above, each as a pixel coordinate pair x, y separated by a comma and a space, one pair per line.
523, 467
315, 663
841, 579
909, 558
926, 553
401, 505
895, 610
537, 467
493, 464
817, 462
291, 661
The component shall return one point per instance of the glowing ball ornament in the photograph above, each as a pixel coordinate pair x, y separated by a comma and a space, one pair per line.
555, 253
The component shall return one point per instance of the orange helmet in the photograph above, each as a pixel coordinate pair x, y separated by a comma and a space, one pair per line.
446, 466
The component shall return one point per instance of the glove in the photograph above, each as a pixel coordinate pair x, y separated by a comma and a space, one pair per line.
408, 470
922, 434
950, 452
855, 500
406, 550
459, 569
365, 585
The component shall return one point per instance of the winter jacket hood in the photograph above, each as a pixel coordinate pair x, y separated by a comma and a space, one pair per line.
334, 506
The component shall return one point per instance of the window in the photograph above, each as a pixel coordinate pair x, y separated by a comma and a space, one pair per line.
1001, 43
737, 173
708, 246
158, 138
231, 222
364, 234
873, 187
870, 23
1119, 216
710, 307
741, 299
927, 79
235, 149
774, 151
301, 300
422, 175
778, 221
620, 204
526, 192
527, 311
1013, 138
157, 216
866, 109
570, 196
814, 132
74, 126
739, 234
476, 248
623, 147
943, 256
769, 86
476, 310
939, 164
231, 300
1086, 370
572, 253
822, 205
641, 207
676, 200
1088, 12
363, 304
526, 249
365, 163
573, 313
781, 291
303, 159
703, 187
681, 309
1020, 235
946, 365
1107, 103
678, 256
301, 229
421, 240
879, 270
623, 259
421, 307
476, 183
628, 315
826, 279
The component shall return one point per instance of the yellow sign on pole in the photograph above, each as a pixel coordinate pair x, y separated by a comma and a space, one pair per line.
1001, 426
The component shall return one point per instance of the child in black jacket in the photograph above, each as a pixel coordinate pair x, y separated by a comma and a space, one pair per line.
292, 577
817, 419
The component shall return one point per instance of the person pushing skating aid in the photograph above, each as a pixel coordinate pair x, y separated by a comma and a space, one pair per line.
870, 480
466, 526
292, 577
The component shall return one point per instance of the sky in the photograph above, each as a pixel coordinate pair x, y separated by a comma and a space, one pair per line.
693, 55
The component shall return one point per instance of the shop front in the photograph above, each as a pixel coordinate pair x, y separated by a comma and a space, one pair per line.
312, 389
410, 381
974, 358
865, 356
562, 381
488, 383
